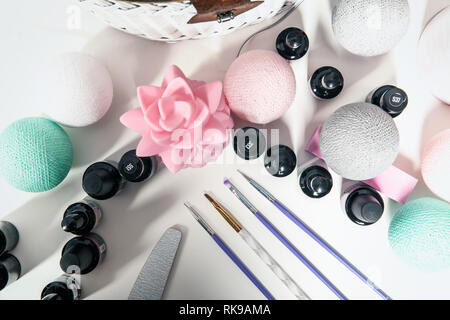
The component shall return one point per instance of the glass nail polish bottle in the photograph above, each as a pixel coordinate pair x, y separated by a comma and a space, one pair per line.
391, 99
292, 43
9, 236
280, 161
65, 288
10, 270
326, 83
81, 217
315, 180
83, 254
137, 169
362, 204
102, 180
249, 143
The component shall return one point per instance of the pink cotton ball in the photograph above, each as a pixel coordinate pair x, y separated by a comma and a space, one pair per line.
436, 165
259, 86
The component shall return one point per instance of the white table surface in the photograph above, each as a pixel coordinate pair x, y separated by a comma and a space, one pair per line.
33, 32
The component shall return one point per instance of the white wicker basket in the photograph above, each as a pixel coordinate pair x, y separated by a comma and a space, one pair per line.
169, 21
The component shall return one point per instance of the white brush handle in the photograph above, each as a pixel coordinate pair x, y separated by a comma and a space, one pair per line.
273, 265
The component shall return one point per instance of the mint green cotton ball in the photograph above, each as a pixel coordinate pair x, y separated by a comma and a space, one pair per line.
419, 234
35, 154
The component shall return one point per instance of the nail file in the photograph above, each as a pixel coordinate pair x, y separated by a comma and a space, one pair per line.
153, 277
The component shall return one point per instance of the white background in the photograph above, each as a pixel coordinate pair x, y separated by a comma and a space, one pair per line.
33, 32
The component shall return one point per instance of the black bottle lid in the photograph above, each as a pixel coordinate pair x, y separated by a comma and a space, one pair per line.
136, 169
58, 290
280, 161
10, 269
79, 218
316, 182
2, 242
364, 206
4, 276
81, 252
101, 180
391, 99
249, 143
292, 43
326, 82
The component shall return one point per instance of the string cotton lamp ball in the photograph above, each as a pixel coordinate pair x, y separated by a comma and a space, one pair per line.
435, 165
419, 234
434, 55
78, 90
370, 27
35, 154
259, 86
359, 141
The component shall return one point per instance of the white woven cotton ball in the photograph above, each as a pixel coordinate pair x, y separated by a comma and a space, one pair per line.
370, 27
434, 55
359, 141
77, 89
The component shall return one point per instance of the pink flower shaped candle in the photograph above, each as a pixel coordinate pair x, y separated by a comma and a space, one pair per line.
184, 121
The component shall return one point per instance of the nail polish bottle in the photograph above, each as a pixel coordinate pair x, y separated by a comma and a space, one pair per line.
249, 143
391, 99
137, 169
280, 161
81, 217
326, 83
102, 180
83, 254
315, 180
65, 287
292, 43
363, 205
10, 270
9, 236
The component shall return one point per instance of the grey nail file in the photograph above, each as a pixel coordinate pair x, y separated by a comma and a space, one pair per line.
153, 277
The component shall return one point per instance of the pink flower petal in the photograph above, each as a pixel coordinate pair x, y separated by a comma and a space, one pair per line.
179, 88
134, 120
202, 114
211, 94
171, 123
186, 140
166, 107
173, 161
152, 117
161, 137
149, 147
196, 84
171, 74
214, 132
147, 95
186, 110
225, 119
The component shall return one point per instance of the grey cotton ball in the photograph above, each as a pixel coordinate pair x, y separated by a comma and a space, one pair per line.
359, 141
370, 27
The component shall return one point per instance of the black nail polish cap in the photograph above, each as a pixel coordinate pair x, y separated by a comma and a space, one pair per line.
391, 99
280, 161
82, 252
249, 143
57, 290
137, 169
316, 182
79, 218
101, 180
326, 82
10, 269
364, 206
292, 43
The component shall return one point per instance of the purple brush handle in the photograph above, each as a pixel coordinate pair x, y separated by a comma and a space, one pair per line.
300, 256
242, 266
332, 251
